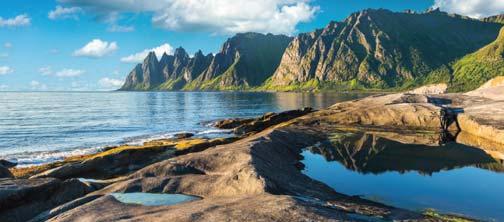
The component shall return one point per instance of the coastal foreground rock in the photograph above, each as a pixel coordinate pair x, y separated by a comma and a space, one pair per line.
258, 177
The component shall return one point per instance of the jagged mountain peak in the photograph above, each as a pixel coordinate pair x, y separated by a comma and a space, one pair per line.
180, 52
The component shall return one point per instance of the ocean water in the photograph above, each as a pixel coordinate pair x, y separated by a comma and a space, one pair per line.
41, 127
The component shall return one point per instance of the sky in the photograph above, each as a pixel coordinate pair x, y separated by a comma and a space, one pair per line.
88, 45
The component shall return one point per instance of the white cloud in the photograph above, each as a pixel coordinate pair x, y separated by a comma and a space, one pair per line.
69, 73
48, 71
36, 85
109, 83
120, 28
3, 87
4, 70
8, 45
139, 57
45, 71
64, 13
20, 20
96, 49
471, 8
216, 16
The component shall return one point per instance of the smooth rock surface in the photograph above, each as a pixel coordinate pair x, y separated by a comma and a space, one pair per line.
22, 199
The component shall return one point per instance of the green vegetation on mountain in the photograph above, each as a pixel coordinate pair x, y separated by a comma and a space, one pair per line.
380, 49
473, 70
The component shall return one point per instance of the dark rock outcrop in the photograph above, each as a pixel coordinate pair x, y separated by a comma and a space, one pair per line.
22, 199
254, 125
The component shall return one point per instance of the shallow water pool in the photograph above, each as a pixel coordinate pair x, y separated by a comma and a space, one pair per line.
411, 171
153, 199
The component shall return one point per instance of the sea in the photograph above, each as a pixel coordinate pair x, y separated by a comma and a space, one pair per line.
43, 127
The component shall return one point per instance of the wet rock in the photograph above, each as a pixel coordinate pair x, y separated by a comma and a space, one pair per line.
231, 123
183, 135
22, 199
270, 119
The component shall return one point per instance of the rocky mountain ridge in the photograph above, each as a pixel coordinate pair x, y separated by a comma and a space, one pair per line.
379, 49
371, 49
245, 60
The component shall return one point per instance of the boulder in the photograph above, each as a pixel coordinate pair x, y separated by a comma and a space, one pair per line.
231, 123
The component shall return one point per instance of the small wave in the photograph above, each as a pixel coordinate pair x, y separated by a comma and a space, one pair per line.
140, 140
215, 131
27, 159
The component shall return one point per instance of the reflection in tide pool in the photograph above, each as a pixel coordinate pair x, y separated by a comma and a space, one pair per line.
153, 199
411, 171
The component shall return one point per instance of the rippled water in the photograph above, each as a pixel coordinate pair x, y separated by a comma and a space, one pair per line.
38, 127
413, 171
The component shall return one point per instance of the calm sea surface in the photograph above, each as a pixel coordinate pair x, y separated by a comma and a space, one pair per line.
39, 127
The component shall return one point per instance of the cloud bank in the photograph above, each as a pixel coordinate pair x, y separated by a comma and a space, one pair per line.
216, 16
109, 83
471, 8
140, 56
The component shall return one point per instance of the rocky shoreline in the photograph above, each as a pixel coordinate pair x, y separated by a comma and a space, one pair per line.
256, 175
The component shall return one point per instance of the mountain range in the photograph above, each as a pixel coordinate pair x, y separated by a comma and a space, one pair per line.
372, 49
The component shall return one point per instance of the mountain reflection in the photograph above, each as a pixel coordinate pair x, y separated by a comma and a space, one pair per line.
379, 152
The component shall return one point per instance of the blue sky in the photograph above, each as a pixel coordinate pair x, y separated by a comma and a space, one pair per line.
48, 44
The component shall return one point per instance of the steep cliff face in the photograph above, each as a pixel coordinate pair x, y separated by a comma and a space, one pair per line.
245, 60
495, 19
144, 76
473, 70
380, 49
